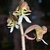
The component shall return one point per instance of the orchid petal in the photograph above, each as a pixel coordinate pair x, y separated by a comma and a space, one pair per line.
27, 14
27, 19
44, 42
9, 27
17, 11
11, 30
15, 14
20, 19
16, 26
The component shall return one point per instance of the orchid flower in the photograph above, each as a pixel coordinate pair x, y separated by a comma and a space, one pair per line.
40, 31
11, 24
16, 12
21, 11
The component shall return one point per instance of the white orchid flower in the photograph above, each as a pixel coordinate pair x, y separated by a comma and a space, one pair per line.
19, 12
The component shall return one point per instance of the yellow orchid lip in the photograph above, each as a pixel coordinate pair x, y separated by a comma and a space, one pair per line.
40, 33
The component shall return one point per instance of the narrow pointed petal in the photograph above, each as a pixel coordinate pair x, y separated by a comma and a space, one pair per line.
20, 19
14, 13
16, 26
9, 27
28, 14
44, 42
11, 30
27, 19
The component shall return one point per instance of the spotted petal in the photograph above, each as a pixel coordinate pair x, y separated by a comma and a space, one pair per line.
27, 19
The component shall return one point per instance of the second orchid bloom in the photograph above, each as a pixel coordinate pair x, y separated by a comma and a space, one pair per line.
12, 23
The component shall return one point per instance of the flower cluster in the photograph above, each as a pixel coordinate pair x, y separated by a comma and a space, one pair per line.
40, 31
20, 13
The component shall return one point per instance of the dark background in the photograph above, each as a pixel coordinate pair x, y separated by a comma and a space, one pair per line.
40, 15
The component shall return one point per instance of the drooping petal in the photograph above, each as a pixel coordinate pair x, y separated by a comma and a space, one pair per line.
27, 19
16, 26
11, 30
20, 19
44, 42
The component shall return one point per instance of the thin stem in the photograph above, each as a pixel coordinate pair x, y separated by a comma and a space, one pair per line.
22, 37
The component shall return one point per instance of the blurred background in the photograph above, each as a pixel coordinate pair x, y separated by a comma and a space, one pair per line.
40, 15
